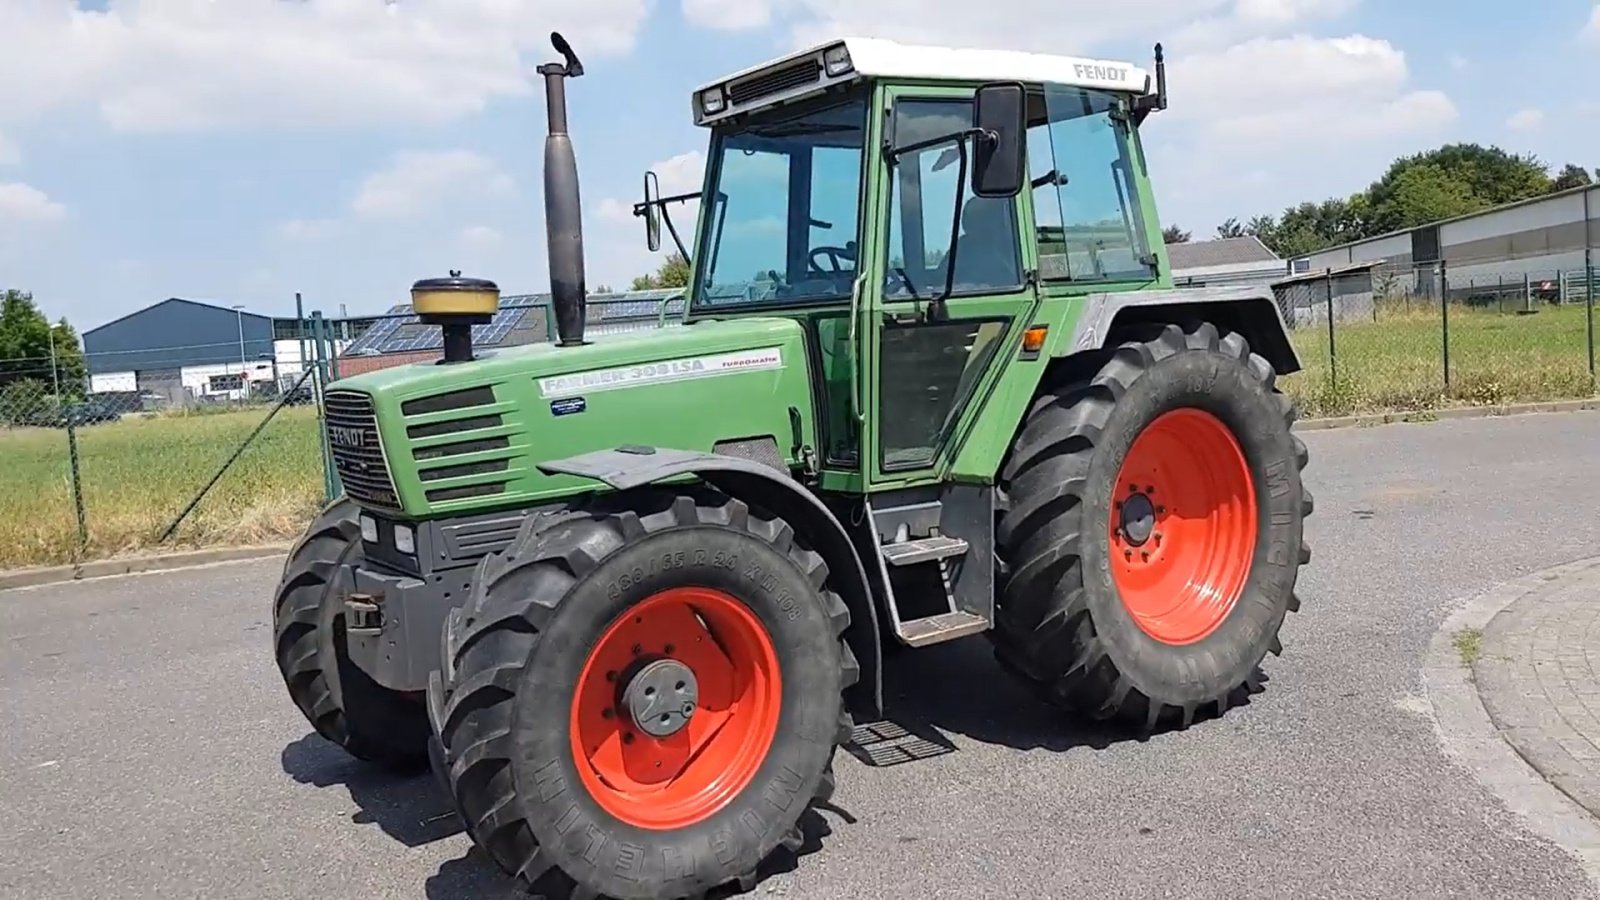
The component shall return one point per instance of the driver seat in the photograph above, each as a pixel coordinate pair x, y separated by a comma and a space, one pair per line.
986, 252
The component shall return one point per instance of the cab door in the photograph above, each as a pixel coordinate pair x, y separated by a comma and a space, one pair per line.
928, 358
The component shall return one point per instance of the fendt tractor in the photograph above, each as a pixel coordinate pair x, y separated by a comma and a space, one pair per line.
628, 595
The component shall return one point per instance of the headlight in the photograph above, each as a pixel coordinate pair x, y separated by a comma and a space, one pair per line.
405, 540
369, 529
837, 61
712, 101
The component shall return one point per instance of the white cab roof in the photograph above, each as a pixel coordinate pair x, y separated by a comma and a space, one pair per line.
879, 58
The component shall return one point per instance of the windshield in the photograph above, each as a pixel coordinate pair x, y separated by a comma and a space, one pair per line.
781, 226
1086, 201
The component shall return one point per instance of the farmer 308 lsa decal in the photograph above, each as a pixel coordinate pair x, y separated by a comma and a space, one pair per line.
629, 593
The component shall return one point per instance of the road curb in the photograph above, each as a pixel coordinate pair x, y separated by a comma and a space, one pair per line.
105, 568
1471, 739
1454, 412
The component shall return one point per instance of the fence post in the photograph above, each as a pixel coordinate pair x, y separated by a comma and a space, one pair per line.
77, 483
1588, 294
1333, 353
330, 477
1444, 317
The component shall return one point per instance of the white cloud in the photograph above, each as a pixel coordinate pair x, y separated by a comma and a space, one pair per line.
1526, 120
1459, 63
10, 153
1303, 89
25, 203
1591, 30
415, 180
163, 65
728, 15
681, 174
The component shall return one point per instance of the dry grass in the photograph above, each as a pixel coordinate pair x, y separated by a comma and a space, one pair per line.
1396, 364
139, 473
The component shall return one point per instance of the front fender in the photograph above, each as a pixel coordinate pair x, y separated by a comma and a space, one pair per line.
1250, 310
626, 468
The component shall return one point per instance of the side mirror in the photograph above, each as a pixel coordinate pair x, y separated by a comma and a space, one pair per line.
999, 167
652, 211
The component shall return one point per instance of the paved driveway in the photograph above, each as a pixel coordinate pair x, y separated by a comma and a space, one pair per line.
147, 749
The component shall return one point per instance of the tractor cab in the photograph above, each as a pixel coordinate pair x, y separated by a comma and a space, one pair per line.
913, 207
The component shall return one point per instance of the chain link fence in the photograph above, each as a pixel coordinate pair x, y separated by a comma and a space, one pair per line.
1377, 337
91, 470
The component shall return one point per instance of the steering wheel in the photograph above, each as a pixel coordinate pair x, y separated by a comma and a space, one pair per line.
835, 254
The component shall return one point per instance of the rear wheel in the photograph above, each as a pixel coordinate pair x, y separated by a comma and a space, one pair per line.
342, 703
643, 697
1152, 530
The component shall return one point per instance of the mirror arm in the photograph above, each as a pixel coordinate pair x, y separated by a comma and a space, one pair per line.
937, 311
666, 217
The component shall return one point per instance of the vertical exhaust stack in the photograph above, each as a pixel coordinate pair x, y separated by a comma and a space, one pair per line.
563, 212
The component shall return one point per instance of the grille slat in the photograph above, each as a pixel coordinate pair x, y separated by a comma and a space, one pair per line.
352, 429
806, 71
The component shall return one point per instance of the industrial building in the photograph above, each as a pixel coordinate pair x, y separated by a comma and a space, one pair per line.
186, 352
1542, 245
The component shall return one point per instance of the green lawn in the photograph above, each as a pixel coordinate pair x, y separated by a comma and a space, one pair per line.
139, 473
1396, 364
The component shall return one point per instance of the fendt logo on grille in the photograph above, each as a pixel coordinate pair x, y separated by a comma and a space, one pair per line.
345, 436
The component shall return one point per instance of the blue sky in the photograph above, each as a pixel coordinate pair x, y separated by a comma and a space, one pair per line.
242, 150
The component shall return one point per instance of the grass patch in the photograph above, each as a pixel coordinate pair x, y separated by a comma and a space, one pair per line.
1469, 645
1396, 363
139, 473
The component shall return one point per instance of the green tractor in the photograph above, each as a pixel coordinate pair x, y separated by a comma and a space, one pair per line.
627, 594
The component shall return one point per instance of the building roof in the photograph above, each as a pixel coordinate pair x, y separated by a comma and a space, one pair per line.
1222, 252
878, 58
1334, 272
521, 319
170, 300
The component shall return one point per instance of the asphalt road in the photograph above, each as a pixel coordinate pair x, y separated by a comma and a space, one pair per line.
147, 749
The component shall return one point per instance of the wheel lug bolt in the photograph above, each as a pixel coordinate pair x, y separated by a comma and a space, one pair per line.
611, 676
637, 649
1127, 554
1145, 556
1157, 536
606, 713
1161, 510
1150, 489
627, 737
669, 648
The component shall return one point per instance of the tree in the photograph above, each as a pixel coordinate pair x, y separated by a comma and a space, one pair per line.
1491, 177
26, 339
1172, 234
1428, 193
1230, 229
674, 273
1572, 176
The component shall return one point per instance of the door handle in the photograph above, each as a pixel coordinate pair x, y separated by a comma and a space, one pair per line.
856, 360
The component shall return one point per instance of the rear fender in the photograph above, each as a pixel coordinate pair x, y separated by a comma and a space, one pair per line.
1251, 311
627, 468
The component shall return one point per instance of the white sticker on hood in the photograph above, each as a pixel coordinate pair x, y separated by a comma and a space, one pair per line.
660, 372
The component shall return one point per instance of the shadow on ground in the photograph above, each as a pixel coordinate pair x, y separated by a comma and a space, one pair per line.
955, 688
959, 688
407, 806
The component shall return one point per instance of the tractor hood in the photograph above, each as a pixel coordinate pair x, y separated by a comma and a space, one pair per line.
439, 439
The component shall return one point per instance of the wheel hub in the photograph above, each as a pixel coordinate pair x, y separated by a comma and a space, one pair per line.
661, 697
1138, 517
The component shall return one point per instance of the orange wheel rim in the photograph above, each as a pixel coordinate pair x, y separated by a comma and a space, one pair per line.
656, 747
1183, 526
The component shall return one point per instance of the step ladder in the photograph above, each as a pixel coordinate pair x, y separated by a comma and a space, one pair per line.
913, 546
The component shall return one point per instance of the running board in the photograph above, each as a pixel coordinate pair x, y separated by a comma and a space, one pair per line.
923, 550
940, 628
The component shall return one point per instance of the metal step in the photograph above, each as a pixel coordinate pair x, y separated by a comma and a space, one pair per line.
940, 628
923, 550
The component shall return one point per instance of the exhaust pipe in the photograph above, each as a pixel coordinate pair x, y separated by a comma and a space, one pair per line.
563, 212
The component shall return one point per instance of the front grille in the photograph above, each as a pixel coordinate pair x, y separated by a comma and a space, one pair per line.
806, 71
352, 429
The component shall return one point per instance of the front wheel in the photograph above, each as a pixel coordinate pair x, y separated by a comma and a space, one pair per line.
1152, 530
643, 697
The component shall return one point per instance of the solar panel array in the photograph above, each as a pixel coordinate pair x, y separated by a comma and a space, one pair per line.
400, 331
